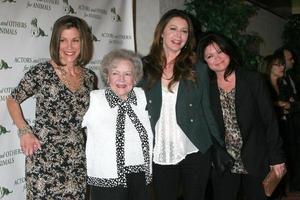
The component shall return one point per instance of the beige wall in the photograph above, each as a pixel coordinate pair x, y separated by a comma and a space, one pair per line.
295, 6
147, 16
166, 5
269, 27
148, 12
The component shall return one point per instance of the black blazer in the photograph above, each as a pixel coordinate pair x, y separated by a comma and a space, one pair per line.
262, 145
193, 110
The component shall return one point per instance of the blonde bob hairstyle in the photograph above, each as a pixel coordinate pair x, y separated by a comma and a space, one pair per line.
121, 54
86, 39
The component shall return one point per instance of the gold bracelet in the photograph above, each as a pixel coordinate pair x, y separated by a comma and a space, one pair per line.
24, 130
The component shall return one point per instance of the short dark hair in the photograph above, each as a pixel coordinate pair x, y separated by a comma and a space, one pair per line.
226, 45
86, 41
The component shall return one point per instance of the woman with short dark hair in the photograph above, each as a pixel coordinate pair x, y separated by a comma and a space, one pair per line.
244, 112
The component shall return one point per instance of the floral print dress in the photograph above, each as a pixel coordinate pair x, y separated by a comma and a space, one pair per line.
58, 169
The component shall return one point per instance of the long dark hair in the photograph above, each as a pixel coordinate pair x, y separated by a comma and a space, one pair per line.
155, 61
226, 45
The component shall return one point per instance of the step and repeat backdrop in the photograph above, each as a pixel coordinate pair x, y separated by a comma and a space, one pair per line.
25, 31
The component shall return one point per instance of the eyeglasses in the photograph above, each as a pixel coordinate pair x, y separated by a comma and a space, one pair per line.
278, 65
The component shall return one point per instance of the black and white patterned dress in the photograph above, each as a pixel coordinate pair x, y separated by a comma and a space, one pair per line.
58, 170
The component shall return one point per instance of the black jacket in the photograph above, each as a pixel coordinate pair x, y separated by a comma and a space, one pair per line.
262, 145
193, 110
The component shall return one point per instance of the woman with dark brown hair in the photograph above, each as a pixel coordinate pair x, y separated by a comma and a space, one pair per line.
178, 105
286, 104
55, 145
244, 112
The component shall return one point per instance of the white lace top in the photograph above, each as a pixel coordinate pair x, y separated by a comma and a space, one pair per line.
171, 143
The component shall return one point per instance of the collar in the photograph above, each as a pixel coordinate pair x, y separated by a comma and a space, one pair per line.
114, 100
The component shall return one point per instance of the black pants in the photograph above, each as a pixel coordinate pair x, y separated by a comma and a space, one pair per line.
294, 152
191, 173
136, 190
230, 186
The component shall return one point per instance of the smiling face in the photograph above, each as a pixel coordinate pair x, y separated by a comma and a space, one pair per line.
121, 77
69, 46
175, 35
216, 59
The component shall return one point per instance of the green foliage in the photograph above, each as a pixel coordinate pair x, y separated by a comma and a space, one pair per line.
231, 18
291, 33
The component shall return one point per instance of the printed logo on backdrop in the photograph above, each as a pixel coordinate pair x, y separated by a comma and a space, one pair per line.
114, 15
21, 181
68, 9
112, 37
10, 27
4, 65
3, 130
116, 38
8, 157
36, 31
96, 13
42, 4
4, 93
29, 62
8, 1
4, 192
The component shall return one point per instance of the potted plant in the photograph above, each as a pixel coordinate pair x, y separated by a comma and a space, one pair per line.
291, 33
231, 18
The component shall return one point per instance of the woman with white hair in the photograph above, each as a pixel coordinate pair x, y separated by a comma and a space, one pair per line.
119, 136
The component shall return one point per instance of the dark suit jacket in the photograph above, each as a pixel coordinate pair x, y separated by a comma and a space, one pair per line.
256, 119
193, 111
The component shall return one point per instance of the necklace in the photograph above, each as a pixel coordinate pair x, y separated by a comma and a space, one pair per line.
73, 83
